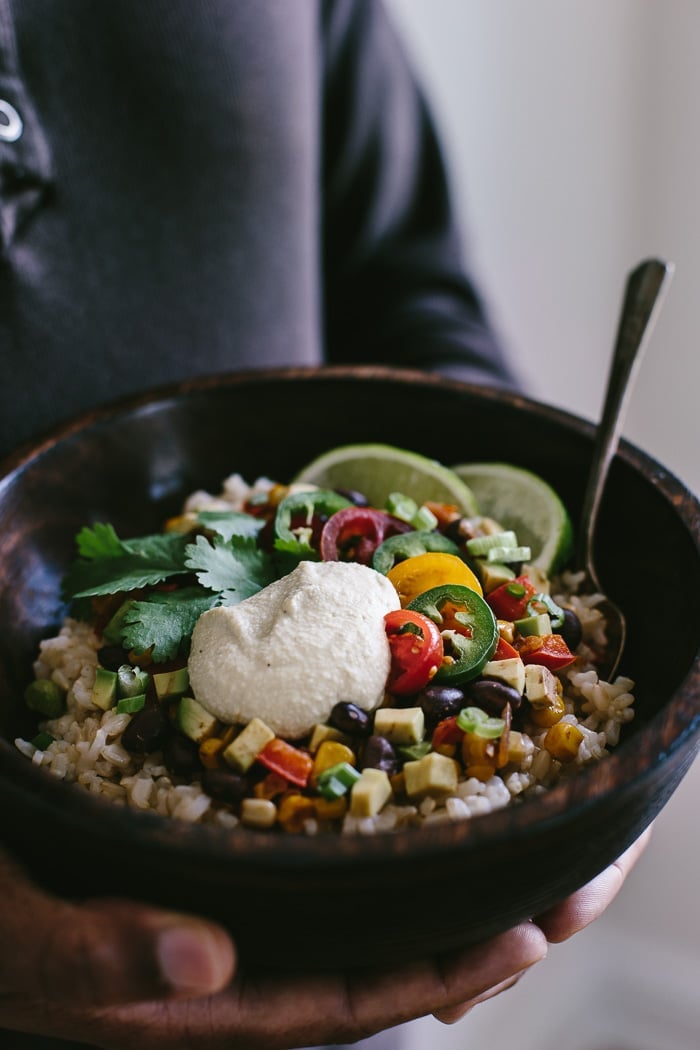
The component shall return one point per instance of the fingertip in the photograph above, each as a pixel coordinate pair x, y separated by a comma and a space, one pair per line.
194, 958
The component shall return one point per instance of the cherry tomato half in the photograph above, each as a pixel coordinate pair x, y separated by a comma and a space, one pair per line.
354, 533
509, 601
416, 649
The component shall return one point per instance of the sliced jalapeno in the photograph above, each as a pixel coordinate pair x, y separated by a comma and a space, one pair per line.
300, 516
468, 628
407, 545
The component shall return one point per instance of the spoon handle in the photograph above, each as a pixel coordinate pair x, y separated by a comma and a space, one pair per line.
640, 307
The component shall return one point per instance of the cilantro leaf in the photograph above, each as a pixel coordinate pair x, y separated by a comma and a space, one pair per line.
228, 523
140, 563
100, 541
163, 620
237, 567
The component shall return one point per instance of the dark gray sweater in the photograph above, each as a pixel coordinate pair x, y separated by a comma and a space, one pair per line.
199, 187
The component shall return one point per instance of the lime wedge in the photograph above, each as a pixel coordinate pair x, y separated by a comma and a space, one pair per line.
524, 502
377, 470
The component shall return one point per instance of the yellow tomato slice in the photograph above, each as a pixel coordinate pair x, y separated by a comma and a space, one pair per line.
413, 576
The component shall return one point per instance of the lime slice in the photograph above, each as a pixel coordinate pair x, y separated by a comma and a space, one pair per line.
378, 470
524, 502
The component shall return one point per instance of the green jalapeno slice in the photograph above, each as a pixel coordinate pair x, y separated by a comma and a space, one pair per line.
468, 628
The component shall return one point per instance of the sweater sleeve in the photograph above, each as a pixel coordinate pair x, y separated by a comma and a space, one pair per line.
396, 286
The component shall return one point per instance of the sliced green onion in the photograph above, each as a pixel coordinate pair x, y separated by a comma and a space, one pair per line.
474, 720
481, 545
509, 554
337, 780
414, 752
401, 506
556, 613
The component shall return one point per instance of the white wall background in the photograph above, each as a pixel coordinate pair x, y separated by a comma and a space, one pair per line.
571, 129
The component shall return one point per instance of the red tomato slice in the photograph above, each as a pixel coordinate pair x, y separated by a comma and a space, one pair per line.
550, 650
354, 533
509, 601
505, 651
416, 650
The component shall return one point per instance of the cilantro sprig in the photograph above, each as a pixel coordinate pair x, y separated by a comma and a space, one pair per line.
227, 565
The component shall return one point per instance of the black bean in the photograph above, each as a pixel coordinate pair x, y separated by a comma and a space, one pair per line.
379, 754
438, 702
181, 755
111, 657
571, 630
350, 719
225, 785
491, 695
147, 730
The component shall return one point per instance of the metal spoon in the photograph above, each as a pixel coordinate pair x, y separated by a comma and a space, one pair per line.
644, 292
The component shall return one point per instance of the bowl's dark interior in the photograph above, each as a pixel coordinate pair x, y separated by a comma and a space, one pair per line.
132, 467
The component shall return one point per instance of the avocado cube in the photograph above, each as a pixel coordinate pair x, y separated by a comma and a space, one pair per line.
510, 671
493, 574
434, 775
245, 748
104, 691
194, 720
400, 725
168, 684
370, 793
541, 687
540, 624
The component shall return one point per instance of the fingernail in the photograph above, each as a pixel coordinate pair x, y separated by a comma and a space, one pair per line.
194, 959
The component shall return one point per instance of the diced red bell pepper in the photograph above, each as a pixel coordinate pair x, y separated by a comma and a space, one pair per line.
509, 601
447, 734
550, 650
287, 761
505, 651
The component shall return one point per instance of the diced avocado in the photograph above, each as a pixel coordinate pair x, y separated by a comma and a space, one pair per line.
493, 574
129, 705
242, 752
540, 685
370, 793
540, 624
511, 671
434, 775
194, 720
45, 697
131, 681
104, 691
322, 732
400, 725
171, 683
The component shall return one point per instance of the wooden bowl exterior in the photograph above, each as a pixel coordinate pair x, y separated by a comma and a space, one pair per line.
389, 897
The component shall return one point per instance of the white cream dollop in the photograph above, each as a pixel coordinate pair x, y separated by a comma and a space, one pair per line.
293, 650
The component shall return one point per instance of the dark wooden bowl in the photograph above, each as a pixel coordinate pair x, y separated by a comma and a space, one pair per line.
361, 900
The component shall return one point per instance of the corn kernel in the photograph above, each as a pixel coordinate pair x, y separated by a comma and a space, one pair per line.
563, 741
550, 715
483, 773
331, 753
210, 752
478, 751
331, 809
294, 810
506, 629
258, 813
